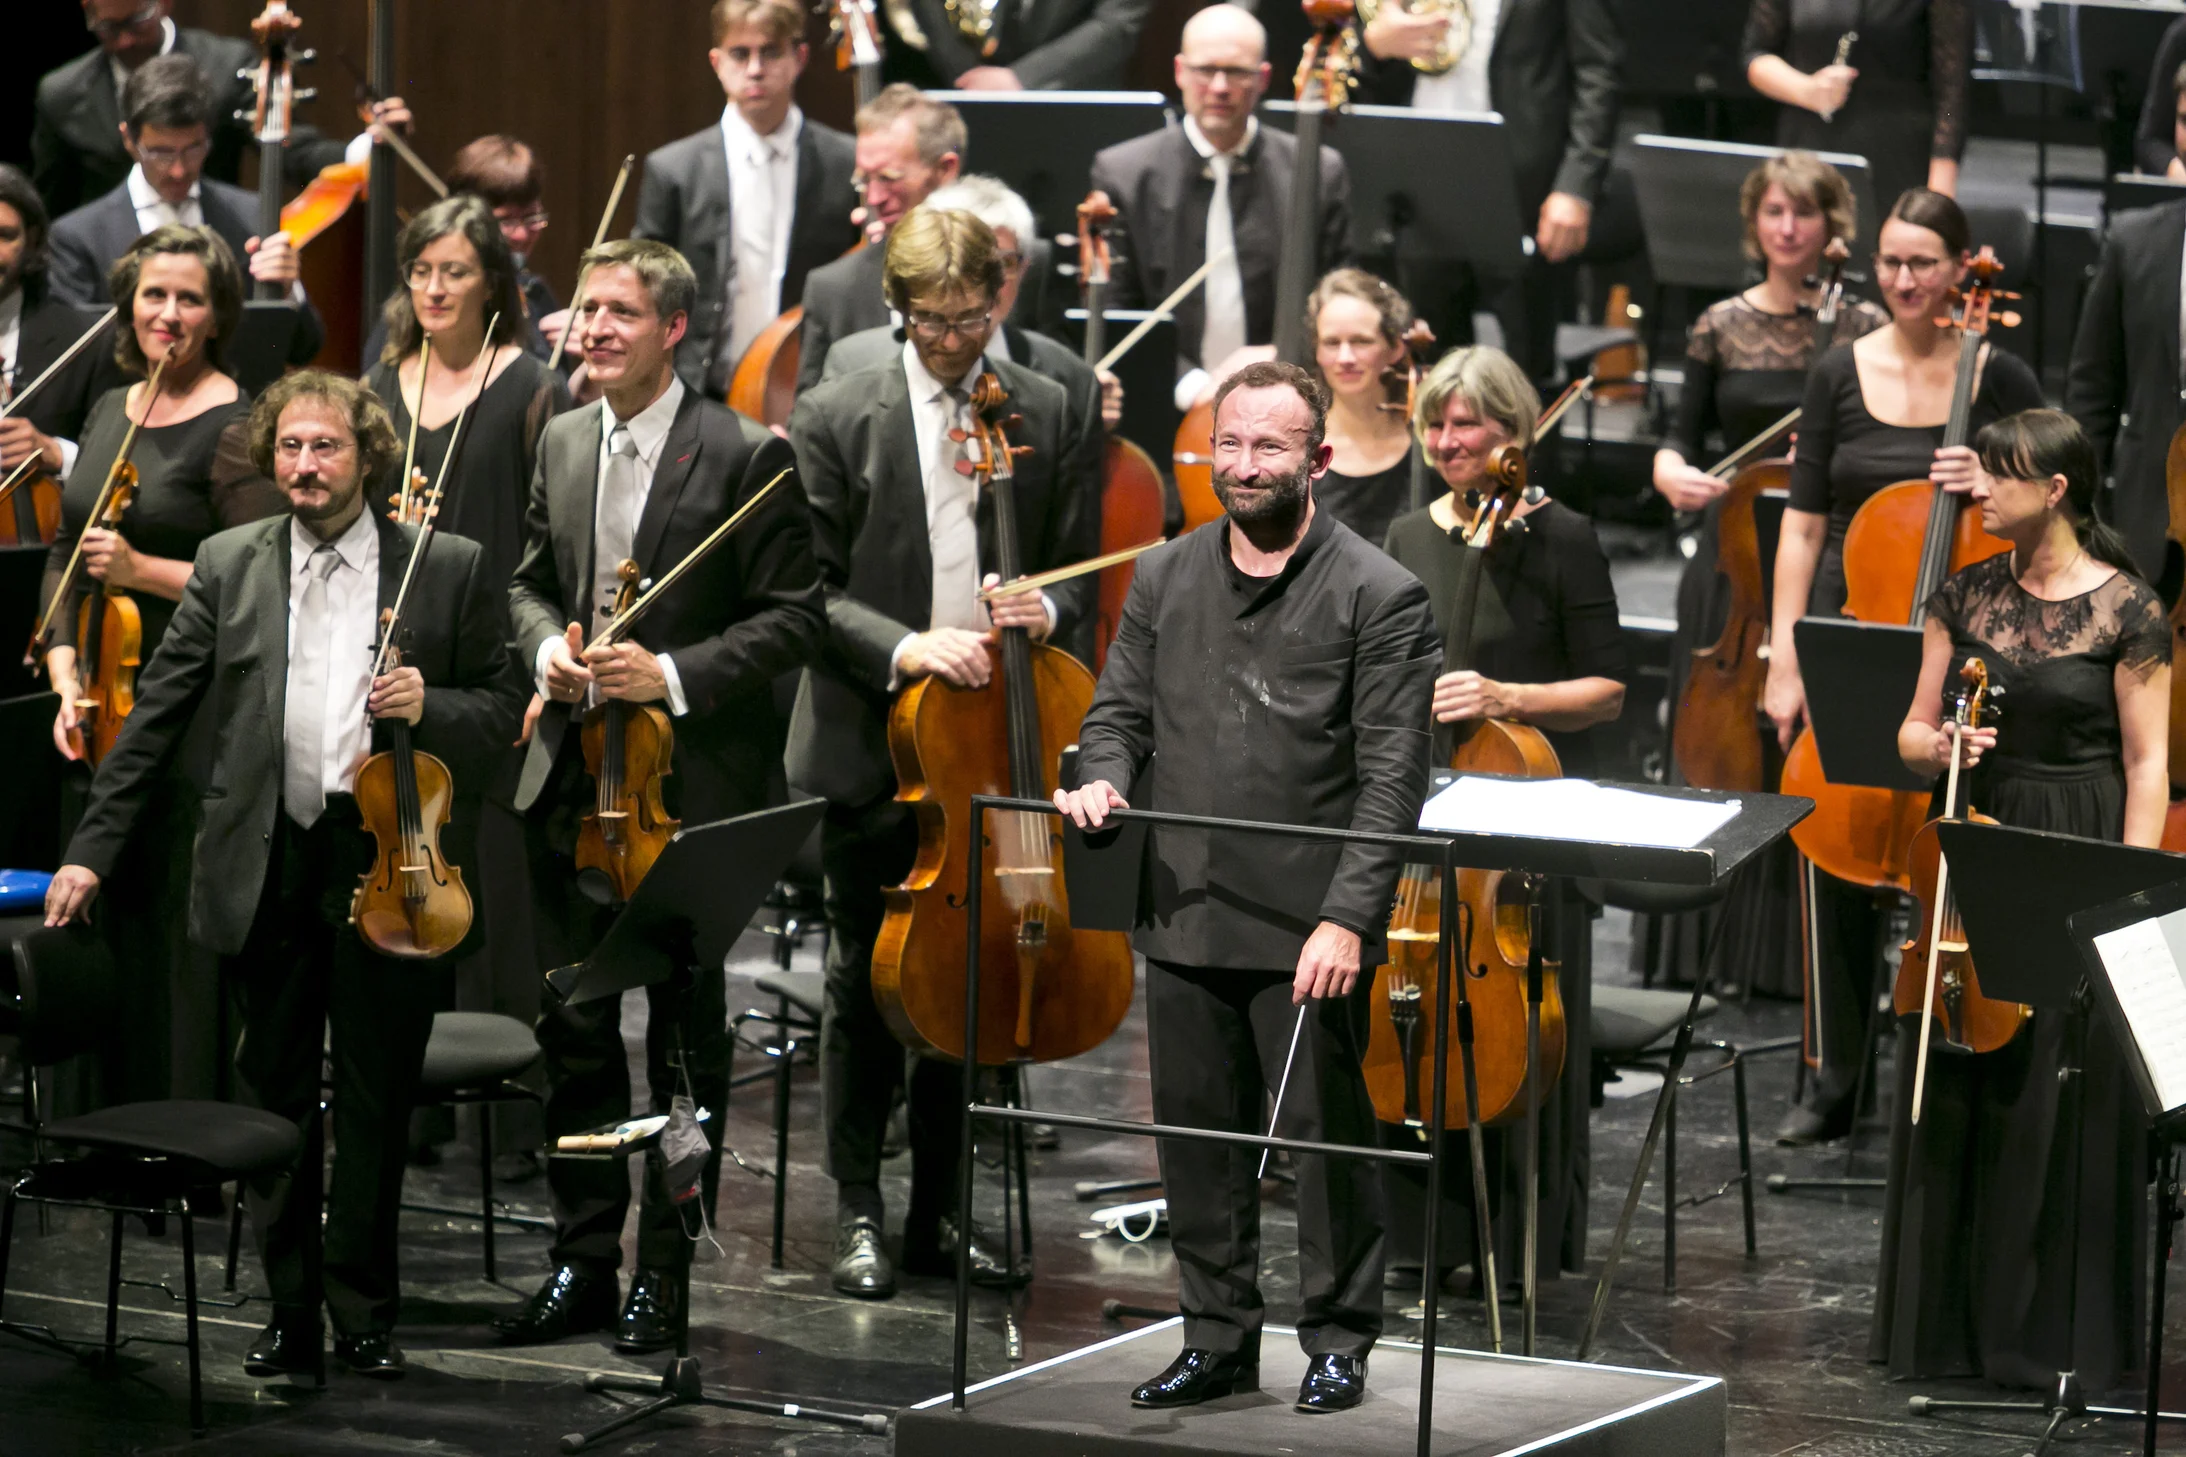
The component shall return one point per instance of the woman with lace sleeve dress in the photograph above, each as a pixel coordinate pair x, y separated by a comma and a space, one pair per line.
1979, 1243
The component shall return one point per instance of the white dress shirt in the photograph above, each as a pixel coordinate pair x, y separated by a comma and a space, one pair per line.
1224, 294
154, 211
353, 609
1464, 87
12, 378
649, 432
762, 202
121, 73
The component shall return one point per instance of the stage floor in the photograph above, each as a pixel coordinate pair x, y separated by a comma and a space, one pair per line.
1484, 1406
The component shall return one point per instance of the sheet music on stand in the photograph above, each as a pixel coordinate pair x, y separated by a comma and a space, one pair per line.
2135, 950
1573, 809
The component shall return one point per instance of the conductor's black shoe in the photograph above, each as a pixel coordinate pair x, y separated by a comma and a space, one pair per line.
372, 1354
572, 1301
283, 1349
862, 1267
651, 1314
1196, 1376
934, 1253
1806, 1125
1333, 1383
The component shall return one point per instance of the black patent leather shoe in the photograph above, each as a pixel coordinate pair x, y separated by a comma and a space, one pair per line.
652, 1312
571, 1302
1196, 1376
373, 1354
862, 1267
1333, 1383
283, 1350
935, 1254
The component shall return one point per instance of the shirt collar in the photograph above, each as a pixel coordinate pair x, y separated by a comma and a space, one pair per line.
352, 546
781, 143
1206, 149
142, 194
925, 389
1318, 531
649, 426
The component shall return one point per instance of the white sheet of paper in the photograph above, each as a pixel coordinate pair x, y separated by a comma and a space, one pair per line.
1574, 809
2143, 963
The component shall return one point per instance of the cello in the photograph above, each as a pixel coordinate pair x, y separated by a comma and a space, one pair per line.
1323, 83
1133, 500
1936, 972
1060, 991
1901, 545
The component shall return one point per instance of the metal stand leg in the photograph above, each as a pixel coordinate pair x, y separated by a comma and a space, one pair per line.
113, 1283
235, 1237
189, 1318
785, 1049
1669, 1194
485, 1185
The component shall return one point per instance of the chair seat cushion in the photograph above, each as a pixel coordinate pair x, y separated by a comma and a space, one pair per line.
806, 990
473, 1048
1625, 1021
226, 1138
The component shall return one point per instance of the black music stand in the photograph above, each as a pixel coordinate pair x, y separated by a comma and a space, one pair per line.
688, 911
2126, 191
1042, 142
1996, 873
22, 571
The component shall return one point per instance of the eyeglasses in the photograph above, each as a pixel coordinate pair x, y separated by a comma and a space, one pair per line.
295, 450
1922, 269
456, 275
534, 220
933, 328
1236, 75
163, 157
109, 29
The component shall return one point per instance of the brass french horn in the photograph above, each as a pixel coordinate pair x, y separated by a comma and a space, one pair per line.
1455, 38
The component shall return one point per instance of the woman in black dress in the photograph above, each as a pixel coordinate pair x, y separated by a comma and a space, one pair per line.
1358, 348
1901, 99
1746, 367
1548, 651
1978, 1239
1874, 415
181, 294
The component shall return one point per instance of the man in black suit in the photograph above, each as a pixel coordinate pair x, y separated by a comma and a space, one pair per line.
1031, 45
1553, 68
167, 128
908, 144
35, 331
903, 541
271, 643
2123, 385
756, 201
1221, 175
644, 476
1237, 931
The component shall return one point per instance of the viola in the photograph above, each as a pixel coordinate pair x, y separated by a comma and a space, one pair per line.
1134, 505
1496, 910
1902, 544
1058, 991
1323, 83
1936, 974
629, 748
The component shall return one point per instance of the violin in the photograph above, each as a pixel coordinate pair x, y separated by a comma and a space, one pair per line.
629, 748
412, 904
1134, 505
1323, 83
30, 498
1902, 544
1935, 971
1059, 991
1496, 914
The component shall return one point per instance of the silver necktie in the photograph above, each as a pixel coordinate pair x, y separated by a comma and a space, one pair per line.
1224, 334
303, 785
952, 523
615, 531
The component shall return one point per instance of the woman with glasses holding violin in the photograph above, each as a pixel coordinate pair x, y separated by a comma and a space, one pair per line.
1875, 414
180, 294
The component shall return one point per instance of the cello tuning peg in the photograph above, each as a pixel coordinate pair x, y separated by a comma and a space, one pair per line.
965, 468
305, 56
246, 73
1535, 495
239, 114
1472, 497
1517, 528
2009, 318
307, 93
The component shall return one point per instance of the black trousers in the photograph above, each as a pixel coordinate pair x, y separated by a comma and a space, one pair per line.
863, 850
304, 975
1219, 1039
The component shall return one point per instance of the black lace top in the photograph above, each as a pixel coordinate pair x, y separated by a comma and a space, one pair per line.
2056, 662
1745, 368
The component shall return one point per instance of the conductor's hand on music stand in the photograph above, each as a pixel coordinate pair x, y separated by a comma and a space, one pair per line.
69, 896
1089, 805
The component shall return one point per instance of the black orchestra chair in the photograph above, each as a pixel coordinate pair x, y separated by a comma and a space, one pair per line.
133, 1158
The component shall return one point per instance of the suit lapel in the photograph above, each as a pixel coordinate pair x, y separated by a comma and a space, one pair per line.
678, 458
2166, 285
395, 543
895, 440
809, 207
712, 198
1502, 23
268, 613
573, 497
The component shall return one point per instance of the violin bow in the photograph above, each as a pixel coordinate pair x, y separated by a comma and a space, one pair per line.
1161, 310
369, 94
1731, 464
409, 450
98, 507
67, 357
599, 237
623, 620
1049, 578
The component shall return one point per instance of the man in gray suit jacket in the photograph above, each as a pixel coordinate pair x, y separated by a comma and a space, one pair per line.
1033, 45
902, 544
271, 644
690, 196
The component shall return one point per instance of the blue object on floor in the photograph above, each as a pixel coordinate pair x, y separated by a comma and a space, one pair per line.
23, 890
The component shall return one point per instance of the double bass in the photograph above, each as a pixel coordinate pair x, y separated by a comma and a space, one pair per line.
1323, 83
1058, 991
1902, 544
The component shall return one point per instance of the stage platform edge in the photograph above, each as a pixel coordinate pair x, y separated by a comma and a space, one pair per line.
1077, 1405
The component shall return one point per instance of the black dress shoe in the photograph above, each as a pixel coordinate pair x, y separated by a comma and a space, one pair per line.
1333, 1383
283, 1350
1196, 1376
651, 1314
372, 1354
572, 1301
862, 1267
935, 1254
1807, 1125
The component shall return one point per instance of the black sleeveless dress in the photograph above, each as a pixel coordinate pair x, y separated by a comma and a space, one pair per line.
1977, 1240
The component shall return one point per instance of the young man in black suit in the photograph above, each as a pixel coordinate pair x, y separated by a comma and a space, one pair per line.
1246, 938
644, 476
756, 201
902, 541
271, 644
167, 128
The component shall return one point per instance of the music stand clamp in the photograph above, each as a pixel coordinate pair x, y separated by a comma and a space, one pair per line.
698, 898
